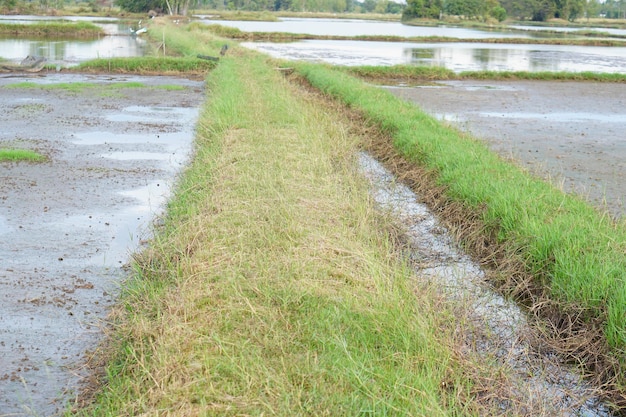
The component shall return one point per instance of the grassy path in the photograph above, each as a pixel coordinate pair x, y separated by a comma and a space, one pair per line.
273, 287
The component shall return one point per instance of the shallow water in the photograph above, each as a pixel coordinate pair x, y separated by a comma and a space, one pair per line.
68, 226
354, 27
495, 327
454, 56
116, 44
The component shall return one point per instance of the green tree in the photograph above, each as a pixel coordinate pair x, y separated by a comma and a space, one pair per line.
140, 6
369, 5
414, 9
592, 8
498, 13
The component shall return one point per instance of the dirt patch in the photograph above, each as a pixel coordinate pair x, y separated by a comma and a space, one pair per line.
568, 132
68, 225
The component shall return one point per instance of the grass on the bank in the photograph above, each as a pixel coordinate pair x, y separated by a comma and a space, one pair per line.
148, 65
574, 251
417, 74
273, 287
79, 87
68, 30
13, 155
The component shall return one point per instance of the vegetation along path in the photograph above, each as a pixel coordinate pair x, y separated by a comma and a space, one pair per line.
275, 286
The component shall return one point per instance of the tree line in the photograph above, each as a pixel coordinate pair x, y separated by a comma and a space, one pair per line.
535, 10
333, 6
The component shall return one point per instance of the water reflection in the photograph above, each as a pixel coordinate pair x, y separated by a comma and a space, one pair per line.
116, 44
70, 53
455, 56
353, 27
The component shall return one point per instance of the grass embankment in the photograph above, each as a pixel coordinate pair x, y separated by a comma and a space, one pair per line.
572, 255
81, 87
238, 34
20, 155
273, 286
181, 54
187, 66
66, 30
419, 74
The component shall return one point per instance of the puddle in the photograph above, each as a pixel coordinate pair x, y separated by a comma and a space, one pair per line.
449, 117
146, 156
179, 115
104, 138
539, 381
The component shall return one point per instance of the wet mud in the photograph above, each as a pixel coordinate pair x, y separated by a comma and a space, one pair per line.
69, 225
571, 133
534, 381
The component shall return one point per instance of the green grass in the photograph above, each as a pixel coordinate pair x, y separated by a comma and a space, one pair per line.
20, 155
148, 65
416, 74
67, 30
273, 287
573, 251
80, 87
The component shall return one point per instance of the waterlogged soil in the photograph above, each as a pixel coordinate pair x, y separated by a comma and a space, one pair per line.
69, 225
571, 133
531, 379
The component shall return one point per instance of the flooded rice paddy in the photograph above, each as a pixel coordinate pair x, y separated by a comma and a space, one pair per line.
353, 27
69, 225
117, 43
458, 56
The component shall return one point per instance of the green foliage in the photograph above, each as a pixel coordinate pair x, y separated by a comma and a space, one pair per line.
140, 6
331, 6
420, 9
498, 13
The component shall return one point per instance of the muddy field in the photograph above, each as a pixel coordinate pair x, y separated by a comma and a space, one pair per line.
68, 225
572, 133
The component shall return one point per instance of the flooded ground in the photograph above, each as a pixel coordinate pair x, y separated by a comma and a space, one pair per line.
456, 56
355, 27
68, 225
569, 132
117, 42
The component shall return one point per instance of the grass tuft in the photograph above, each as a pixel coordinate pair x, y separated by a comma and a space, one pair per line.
66, 30
20, 155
